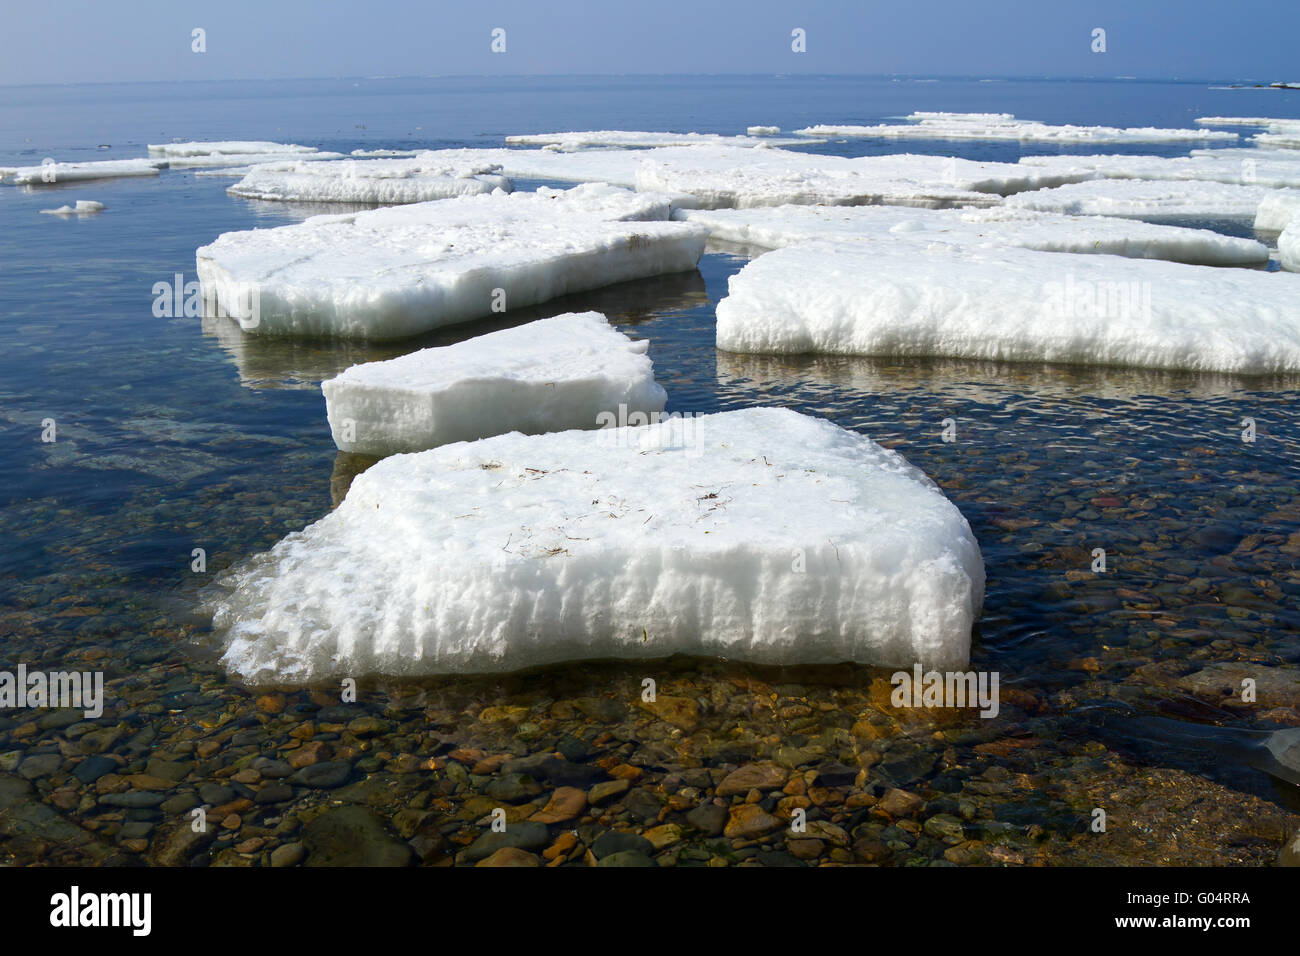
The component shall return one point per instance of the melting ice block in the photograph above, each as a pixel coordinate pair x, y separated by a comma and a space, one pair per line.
760, 535
402, 270
1277, 209
52, 174
1002, 304
550, 375
720, 177
378, 181
773, 227
82, 208
1004, 126
1138, 199
234, 153
1288, 246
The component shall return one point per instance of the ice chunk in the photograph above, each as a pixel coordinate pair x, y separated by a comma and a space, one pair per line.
376, 181
727, 177
52, 173
1238, 120
763, 130
401, 270
551, 375
385, 153
985, 303
1146, 199
1250, 167
1004, 126
775, 226
985, 177
1288, 246
614, 166
1277, 209
633, 139
83, 207
759, 535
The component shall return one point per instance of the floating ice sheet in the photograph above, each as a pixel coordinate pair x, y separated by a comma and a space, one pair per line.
52, 174
1004, 126
728, 177
401, 270
1146, 199
377, 181
894, 299
759, 535
82, 208
635, 139
1247, 167
773, 227
546, 376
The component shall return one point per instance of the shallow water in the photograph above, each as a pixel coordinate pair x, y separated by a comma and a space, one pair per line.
176, 434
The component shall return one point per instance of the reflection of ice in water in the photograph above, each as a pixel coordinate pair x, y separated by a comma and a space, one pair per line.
751, 376
274, 362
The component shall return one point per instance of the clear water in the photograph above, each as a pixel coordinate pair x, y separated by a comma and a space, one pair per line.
176, 434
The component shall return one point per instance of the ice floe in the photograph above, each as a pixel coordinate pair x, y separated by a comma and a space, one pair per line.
82, 208
54, 173
636, 139
375, 181
234, 153
763, 130
758, 535
1003, 304
1146, 199
1004, 126
550, 375
727, 177
614, 166
400, 270
1251, 167
773, 227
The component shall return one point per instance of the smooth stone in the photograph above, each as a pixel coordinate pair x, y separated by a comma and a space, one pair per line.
288, 854
323, 776
626, 858
709, 819
615, 841
510, 856
523, 836
353, 836
92, 768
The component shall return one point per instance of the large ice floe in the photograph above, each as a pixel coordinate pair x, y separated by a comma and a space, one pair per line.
773, 227
1005, 126
1277, 209
84, 207
55, 173
718, 177
550, 375
1248, 167
374, 181
1146, 199
636, 139
401, 270
1003, 304
759, 535
235, 153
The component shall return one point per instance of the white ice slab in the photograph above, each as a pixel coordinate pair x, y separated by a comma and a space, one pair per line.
776, 226
1146, 199
1240, 120
614, 166
1004, 126
52, 174
893, 299
984, 177
1281, 138
401, 270
82, 208
1277, 209
638, 139
1288, 246
727, 177
379, 181
385, 153
1249, 167
219, 147
763, 130
547, 376
757, 535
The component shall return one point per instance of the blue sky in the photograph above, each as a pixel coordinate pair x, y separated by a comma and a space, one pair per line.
103, 41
